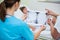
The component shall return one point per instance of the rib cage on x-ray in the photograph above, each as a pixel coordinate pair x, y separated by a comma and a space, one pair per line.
36, 17
42, 18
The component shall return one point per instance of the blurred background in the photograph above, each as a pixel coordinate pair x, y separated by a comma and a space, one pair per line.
40, 5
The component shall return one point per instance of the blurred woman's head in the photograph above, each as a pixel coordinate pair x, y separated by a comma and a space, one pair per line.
24, 10
11, 4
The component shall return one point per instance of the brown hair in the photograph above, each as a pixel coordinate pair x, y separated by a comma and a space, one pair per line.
4, 5
22, 8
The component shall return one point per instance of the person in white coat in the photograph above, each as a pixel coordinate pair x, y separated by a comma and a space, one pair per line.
54, 24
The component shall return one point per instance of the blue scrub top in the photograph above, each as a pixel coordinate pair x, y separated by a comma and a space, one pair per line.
15, 29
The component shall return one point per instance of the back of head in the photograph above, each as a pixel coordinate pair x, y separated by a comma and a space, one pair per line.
4, 5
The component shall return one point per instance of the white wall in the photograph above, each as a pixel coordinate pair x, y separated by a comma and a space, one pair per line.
40, 6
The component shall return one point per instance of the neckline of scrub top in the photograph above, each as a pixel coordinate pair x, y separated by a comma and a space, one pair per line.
9, 15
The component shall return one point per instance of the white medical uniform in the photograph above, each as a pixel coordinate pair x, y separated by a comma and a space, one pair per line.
57, 25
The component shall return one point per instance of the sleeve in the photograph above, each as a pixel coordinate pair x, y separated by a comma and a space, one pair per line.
57, 25
27, 33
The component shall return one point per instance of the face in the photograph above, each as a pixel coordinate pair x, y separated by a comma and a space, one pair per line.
54, 20
25, 10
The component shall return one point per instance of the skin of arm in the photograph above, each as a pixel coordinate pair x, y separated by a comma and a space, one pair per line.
24, 17
54, 32
50, 12
36, 35
32, 27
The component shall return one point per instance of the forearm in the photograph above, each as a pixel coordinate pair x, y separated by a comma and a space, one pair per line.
30, 26
36, 35
39, 32
50, 12
23, 17
52, 27
55, 14
54, 32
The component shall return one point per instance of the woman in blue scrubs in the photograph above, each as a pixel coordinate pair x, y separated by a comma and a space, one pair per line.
12, 28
